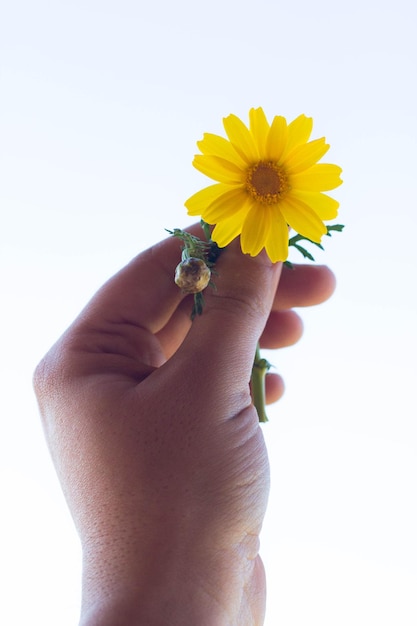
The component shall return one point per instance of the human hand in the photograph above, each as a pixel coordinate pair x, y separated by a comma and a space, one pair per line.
156, 442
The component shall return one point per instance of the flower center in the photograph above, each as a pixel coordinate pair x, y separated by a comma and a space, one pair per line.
266, 182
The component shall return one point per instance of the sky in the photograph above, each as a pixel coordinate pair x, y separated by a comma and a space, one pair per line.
101, 104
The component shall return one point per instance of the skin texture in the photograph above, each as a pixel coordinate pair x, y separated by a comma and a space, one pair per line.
157, 445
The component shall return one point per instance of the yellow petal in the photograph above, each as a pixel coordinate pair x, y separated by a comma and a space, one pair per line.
304, 156
277, 241
322, 204
259, 128
214, 145
225, 231
197, 203
225, 205
319, 177
256, 229
299, 131
218, 169
277, 139
302, 218
241, 138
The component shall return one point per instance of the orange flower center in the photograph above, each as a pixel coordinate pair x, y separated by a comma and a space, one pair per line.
266, 182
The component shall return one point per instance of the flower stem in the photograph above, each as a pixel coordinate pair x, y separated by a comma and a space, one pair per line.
259, 370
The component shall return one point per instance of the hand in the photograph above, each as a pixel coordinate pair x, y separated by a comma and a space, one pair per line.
156, 442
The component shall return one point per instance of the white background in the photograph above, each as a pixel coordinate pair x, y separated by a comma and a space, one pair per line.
101, 104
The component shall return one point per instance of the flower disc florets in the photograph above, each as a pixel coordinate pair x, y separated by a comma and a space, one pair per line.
266, 182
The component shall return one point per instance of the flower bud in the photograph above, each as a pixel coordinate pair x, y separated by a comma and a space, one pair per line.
192, 275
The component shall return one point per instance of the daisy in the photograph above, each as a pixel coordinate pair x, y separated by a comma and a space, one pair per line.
268, 181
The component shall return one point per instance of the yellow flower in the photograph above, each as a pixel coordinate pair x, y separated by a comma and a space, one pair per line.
268, 180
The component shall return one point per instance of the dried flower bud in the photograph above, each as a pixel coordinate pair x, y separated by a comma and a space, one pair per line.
192, 275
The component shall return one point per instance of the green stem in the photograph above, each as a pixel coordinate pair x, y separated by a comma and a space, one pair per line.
259, 370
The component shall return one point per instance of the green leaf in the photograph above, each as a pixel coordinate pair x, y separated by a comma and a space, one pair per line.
306, 254
198, 305
293, 241
336, 228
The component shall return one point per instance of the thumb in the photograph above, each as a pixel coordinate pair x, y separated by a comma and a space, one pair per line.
222, 341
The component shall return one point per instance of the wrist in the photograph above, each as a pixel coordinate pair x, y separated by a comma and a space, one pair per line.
159, 608
215, 589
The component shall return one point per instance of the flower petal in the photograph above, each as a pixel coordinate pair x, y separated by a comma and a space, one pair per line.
299, 131
259, 128
319, 177
302, 218
277, 139
256, 229
225, 231
197, 203
322, 204
304, 156
218, 169
241, 138
214, 145
225, 205
276, 244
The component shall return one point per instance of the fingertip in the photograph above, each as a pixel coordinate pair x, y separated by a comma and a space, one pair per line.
283, 329
274, 388
326, 282
304, 285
